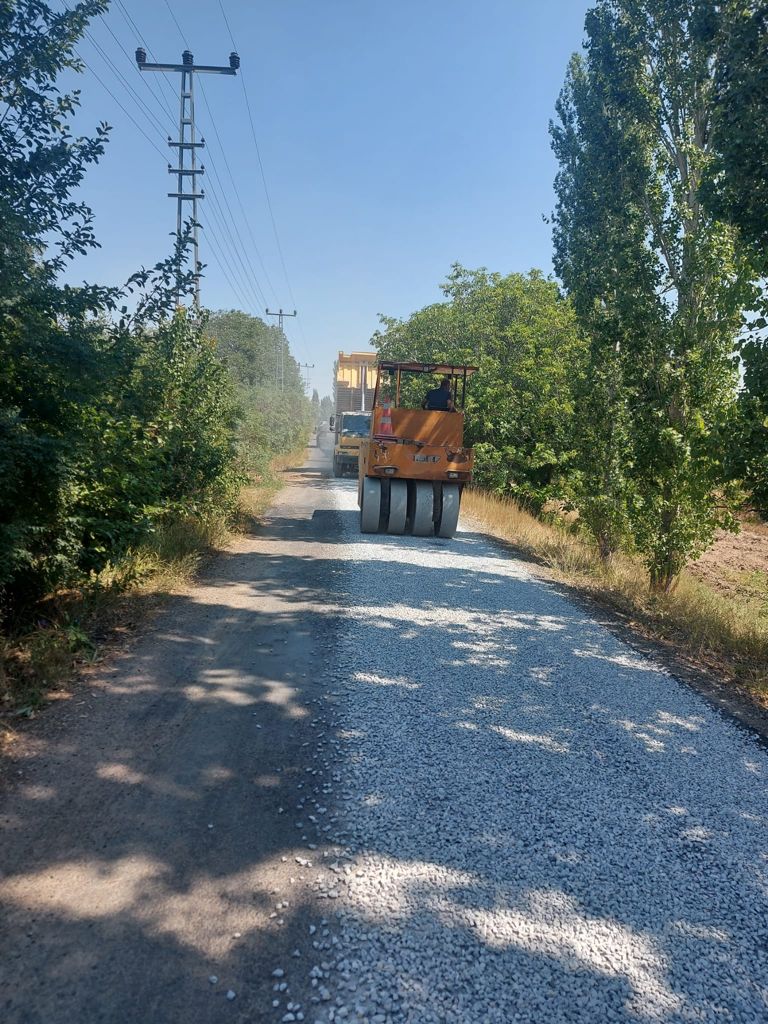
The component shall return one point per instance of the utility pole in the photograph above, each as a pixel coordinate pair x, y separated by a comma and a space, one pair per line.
280, 373
187, 144
307, 367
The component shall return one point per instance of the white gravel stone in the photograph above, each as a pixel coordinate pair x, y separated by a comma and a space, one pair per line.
543, 825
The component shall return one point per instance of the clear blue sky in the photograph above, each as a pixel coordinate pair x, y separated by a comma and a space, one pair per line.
397, 136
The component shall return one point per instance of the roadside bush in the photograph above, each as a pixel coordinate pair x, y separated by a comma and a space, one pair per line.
111, 424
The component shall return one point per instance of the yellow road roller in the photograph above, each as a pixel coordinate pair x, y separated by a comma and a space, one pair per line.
414, 464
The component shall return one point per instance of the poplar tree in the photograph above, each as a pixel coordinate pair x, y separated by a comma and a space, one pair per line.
653, 274
736, 184
736, 189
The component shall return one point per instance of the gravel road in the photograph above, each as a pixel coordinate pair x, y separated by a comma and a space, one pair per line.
451, 796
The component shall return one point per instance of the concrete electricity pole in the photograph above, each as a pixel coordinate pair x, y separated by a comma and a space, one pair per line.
307, 367
281, 360
187, 143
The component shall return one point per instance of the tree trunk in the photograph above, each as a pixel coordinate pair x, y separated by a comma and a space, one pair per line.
605, 548
664, 577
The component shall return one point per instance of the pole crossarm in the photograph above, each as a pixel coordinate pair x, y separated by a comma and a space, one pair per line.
209, 69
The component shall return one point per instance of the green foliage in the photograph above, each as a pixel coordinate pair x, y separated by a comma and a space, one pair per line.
748, 439
735, 187
520, 406
659, 284
272, 419
159, 443
111, 424
326, 409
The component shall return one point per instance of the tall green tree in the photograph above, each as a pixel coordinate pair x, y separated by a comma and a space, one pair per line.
275, 415
520, 406
47, 350
671, 281
595, 150
326, 408
110, 421
735, 187
748, 441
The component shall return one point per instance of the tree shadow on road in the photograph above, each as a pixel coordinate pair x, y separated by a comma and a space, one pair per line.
141, 858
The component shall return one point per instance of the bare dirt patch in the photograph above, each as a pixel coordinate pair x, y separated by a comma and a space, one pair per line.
737, 564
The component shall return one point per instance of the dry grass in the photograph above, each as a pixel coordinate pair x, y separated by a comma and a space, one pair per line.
70, 626
727, 633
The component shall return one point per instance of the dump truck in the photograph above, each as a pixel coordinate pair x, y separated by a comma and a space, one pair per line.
414, 465
353, 395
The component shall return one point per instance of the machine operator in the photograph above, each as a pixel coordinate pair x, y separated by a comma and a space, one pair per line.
440, 397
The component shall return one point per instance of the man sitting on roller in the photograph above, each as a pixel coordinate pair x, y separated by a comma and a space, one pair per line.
440, 398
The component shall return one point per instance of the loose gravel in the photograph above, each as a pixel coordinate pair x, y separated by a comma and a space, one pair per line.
531, 822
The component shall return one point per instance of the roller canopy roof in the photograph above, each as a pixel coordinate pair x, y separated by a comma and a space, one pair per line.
447, 369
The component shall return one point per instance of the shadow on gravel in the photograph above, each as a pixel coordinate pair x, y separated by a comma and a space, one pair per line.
133, 858
162, 843
569, 829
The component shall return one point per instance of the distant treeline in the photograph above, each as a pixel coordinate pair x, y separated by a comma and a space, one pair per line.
638, 393
119, 412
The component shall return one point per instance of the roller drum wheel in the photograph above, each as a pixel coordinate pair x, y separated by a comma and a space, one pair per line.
384, 506
422, 507
370, 506
449, 511
398, 506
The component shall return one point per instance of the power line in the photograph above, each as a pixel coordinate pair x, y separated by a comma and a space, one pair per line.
263, 177
178, 26
255, 300
140, 38
159, 100
149, 114
221, 260
259, 160
242, 250
239, 200
221, 220
126, 112
106, 88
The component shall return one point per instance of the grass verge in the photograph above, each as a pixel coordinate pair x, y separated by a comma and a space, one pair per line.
724, 633
70, 627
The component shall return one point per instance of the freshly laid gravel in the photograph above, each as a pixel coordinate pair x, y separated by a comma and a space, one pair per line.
535, 823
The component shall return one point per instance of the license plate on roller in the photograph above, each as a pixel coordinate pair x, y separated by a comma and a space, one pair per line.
426, 458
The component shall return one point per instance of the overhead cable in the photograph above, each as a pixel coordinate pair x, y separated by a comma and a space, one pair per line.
148, 112
126, 112
159, 99
259, 160
164, 77
242, 253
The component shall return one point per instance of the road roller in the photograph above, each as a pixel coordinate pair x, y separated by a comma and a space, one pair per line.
414, 465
